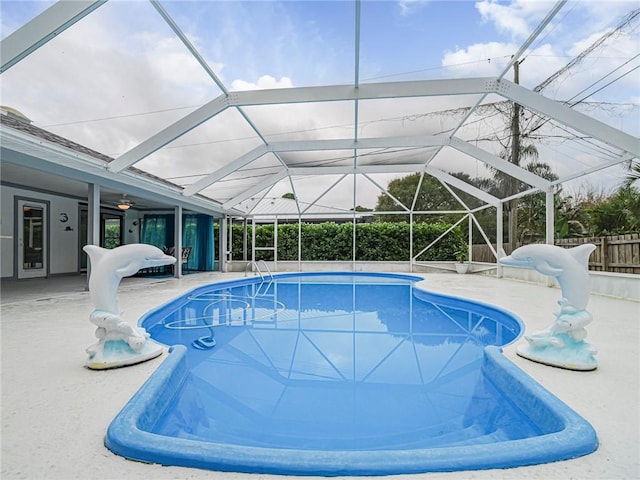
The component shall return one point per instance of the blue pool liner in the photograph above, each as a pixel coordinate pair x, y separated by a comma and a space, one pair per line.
571, 436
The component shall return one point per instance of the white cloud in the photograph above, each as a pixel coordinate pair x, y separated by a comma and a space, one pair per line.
475, 60
101, 74
514, 19
489, 59
169, 59
264, 82
408, 6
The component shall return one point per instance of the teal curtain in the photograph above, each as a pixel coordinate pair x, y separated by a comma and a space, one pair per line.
158, 230
197, 233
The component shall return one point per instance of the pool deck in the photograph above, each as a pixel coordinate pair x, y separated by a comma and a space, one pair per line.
55, 412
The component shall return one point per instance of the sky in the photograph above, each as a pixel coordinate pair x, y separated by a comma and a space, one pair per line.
118, 76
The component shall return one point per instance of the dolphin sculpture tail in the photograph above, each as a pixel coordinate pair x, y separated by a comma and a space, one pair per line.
581, 254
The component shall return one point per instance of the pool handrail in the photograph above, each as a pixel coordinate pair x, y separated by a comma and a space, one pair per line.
255, 264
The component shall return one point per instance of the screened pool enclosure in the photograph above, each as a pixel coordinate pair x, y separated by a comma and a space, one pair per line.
242, 114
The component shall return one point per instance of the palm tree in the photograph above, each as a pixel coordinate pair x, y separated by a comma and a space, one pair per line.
508, 185
633, 174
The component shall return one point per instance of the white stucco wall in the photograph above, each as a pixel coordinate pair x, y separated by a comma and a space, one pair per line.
619, 285
6, 233
132, 225
63, 248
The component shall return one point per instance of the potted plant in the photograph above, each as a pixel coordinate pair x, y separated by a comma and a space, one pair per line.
461, 261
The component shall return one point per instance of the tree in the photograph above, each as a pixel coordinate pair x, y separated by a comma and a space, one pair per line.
433, 196
508, 185
595, 213
633, 175
360, 208
571, 218
518, 150
617, 215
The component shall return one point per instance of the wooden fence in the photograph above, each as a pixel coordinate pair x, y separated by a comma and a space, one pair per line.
619, 254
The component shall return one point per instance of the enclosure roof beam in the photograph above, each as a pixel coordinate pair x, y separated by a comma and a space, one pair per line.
319, 197
35, 33
418, 141
462, 185
363, 143
514, 59
522, 194
357, 46
346, 144
170, 133
500, 163
535, 34
437, 173
297, 95
19, 148
625, 158
257, 188
570, 117
192, 50
516, 93
228, 169
349, 170
367, 143
365, 91
537, 102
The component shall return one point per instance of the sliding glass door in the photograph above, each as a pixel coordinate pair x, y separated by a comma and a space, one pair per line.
32, 239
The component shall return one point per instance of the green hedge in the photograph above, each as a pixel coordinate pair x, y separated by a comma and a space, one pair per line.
383, 241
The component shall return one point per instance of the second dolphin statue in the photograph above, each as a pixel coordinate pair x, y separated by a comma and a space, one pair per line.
562, 343
119, 343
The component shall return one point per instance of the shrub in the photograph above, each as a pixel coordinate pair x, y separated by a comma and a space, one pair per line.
329, 241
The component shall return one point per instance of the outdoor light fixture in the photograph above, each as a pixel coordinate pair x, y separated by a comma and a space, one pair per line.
124, 203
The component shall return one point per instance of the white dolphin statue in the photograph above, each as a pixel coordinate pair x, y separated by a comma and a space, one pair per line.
562, 343
569, 266
119, 343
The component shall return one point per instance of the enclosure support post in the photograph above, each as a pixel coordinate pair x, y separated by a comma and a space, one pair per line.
93, 230
353, 219
275, 244
499, 243
223, 244
253, 240
93, 220
299, 242
470, 246
411, 241
177, 269
244, 239
550, 222
550, 217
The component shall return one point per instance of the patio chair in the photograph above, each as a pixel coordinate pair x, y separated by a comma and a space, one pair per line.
186, 251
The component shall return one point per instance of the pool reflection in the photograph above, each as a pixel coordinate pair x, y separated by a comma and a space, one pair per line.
348, 365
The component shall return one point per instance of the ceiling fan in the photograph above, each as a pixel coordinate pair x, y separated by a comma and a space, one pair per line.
124, 203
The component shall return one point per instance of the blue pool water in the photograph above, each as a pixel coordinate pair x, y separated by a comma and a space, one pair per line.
340, 374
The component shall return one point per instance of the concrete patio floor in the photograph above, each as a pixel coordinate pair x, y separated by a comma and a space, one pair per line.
55, 412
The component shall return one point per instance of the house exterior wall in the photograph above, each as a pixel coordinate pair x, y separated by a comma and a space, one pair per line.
63, 243
132, 226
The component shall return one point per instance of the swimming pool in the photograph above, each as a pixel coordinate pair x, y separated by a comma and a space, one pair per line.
332, 374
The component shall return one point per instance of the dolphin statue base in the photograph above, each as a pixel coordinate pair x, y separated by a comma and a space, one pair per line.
571, 354
562, 343
117, 353
119, 343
